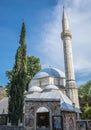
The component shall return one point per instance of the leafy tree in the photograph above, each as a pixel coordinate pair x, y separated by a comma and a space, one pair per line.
19, 77
87, 112
84, 92
9, 74
32, 67
17, 84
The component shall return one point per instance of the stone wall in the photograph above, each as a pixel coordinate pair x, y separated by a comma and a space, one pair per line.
11, 128
31, 107
69, 121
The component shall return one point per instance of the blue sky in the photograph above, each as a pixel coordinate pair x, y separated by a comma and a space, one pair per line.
43, 29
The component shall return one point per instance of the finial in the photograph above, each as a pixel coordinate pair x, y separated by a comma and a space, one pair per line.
65, 23
63, 9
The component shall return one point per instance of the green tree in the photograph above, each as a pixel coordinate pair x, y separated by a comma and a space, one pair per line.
84, 92
19, 77
9, 74
32, 67
17, 84
87, 112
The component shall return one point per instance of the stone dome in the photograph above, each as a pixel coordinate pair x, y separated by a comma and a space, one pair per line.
50, 71
51, 87
35, 89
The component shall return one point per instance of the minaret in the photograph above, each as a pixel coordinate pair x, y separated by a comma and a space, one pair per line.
66, 36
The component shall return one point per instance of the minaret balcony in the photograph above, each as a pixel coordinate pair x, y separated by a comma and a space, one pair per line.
65, 34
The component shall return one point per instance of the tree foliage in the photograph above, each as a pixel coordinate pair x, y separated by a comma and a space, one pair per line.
19, 77
17, 84
33, 66
84, 92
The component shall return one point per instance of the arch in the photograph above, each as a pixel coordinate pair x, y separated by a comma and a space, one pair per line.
41, 105
42, 118
42, 109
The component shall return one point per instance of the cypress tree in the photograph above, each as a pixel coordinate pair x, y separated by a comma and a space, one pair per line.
18, 81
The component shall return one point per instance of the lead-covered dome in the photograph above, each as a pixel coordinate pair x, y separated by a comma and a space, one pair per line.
51, 87
35, 89
50, 71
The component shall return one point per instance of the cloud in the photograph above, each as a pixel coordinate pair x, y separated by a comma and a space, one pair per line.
51, 46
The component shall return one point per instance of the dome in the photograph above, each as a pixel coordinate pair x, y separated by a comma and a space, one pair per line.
51, 71
35, 89
51, 87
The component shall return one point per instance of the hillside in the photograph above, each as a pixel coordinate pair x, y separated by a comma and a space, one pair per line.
2, 92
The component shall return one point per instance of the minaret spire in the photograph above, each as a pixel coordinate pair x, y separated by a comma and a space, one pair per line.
65, 23
68, 60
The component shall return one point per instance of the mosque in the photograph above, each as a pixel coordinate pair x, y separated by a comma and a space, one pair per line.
51, 102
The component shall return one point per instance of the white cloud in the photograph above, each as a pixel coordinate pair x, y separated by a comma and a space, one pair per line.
51, 43
79, 15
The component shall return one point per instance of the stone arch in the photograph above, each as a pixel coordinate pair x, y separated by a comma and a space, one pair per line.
42, 105
71, 124
42, 117
42, 109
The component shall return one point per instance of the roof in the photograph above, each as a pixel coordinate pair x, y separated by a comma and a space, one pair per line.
50, 93
50, 71
65, 103
4, 105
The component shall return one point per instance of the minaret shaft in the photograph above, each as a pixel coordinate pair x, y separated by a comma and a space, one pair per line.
68, 59
66, 36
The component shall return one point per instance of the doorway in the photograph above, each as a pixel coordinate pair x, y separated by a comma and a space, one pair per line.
43, 119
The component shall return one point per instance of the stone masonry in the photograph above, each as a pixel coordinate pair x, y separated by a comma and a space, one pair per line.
68, 60
31, 107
